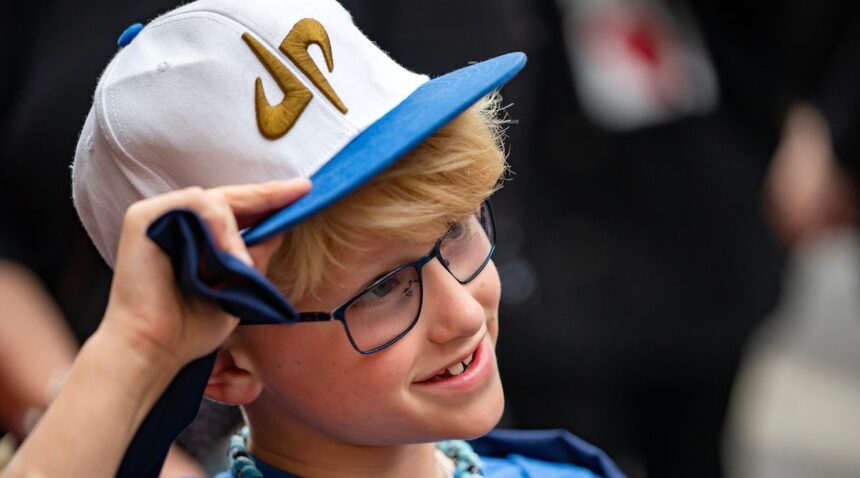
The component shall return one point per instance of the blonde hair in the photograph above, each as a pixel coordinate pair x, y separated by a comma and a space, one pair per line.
439, 182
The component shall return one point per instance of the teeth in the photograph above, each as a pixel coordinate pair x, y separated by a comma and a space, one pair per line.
457, 369
468, 359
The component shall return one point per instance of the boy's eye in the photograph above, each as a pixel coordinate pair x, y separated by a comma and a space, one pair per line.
383, 288
402, 285
455, 231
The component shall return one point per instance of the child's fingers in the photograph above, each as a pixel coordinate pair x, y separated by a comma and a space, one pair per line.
252, 201
214, 209
210, 205
224, 209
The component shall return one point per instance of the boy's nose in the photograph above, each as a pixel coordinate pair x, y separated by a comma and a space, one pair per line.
451, 310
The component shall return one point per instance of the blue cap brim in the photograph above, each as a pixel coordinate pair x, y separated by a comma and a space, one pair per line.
427, 109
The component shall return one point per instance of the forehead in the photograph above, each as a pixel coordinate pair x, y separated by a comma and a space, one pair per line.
388, 251
368, 257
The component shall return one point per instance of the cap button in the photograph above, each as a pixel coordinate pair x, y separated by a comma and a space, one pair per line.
128, 35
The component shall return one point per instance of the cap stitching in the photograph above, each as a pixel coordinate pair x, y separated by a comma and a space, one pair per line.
254, 27
123, 140
327, 109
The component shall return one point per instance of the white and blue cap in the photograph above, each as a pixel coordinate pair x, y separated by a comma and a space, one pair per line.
234, 91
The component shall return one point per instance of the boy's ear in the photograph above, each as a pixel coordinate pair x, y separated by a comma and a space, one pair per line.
229, 383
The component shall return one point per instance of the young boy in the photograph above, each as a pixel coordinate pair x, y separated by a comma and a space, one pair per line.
383, 358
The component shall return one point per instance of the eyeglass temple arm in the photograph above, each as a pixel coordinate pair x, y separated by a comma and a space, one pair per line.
314, 317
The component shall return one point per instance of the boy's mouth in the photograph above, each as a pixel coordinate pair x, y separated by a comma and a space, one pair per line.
454, 370
462, 377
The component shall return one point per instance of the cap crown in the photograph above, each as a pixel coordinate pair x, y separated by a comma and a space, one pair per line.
228, 92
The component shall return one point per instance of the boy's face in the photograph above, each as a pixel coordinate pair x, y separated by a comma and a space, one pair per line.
312, 381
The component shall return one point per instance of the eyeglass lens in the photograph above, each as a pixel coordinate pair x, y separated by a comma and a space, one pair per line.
386, 309
392, 304
465, 246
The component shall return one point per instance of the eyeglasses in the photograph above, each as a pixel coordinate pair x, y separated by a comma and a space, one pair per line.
387, 309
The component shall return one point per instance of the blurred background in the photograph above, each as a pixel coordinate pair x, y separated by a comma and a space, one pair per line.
678, 245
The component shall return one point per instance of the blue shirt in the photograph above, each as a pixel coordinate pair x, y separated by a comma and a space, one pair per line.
522, 454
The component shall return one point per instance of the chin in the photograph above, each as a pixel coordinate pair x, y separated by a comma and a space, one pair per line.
479, 418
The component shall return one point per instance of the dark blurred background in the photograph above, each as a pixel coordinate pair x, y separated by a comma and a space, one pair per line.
676, 163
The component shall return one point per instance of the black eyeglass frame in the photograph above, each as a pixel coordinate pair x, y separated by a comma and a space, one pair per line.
339, 313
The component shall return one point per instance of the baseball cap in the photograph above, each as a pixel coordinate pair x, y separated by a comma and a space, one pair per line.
232, 91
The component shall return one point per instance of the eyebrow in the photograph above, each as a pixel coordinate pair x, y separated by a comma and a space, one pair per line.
371, 281
386, 271
399, 264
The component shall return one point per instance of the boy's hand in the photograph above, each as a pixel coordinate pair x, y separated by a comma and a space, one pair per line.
147, 312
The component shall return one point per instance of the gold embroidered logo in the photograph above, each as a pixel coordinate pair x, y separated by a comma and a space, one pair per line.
276, 121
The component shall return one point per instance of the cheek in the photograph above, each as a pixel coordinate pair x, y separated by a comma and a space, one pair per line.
314, 373
488, 287
488, 291
292, 359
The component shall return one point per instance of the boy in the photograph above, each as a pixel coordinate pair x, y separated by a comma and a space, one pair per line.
227, 92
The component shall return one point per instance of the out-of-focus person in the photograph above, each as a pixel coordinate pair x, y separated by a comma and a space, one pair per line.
56, 284
36, 350
809, 191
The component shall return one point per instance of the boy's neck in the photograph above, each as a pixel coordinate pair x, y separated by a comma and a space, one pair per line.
306, 453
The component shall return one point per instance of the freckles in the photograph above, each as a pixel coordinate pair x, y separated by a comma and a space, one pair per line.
380, 377
383, 375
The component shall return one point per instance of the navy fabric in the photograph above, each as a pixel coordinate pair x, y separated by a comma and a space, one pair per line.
201, 270
426, 110
521, 454
172, 413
